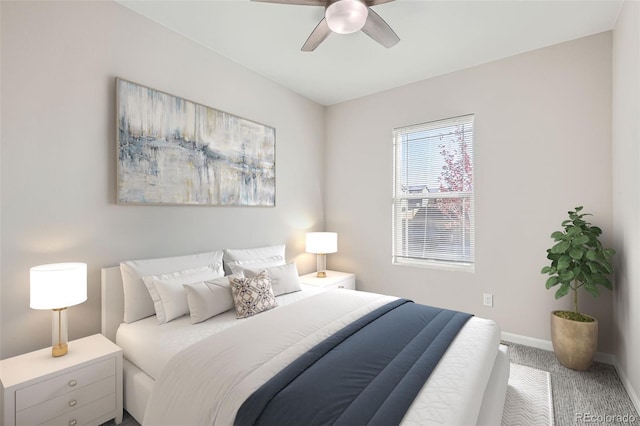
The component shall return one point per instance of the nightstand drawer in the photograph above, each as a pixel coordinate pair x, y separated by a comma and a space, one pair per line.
333, 279
64, 383
347, 284
88, 414
66, 403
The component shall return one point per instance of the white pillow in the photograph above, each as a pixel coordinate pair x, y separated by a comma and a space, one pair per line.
261, 257
168, 294
137, 301
208, 298
284, 278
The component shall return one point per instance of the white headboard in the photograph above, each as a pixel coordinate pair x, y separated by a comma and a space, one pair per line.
112, 302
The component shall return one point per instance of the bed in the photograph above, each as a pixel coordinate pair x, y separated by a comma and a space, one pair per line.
467, 386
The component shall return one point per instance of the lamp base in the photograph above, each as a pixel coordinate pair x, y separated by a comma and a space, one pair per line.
59, 336
321, 265
59, 349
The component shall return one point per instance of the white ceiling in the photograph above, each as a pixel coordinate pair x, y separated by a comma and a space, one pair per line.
437, 37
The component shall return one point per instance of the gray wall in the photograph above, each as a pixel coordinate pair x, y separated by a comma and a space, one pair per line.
626, 190
542, 147
59, 64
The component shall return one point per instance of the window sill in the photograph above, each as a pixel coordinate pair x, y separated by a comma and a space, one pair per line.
435, 264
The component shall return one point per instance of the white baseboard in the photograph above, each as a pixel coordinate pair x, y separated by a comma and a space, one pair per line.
600, 357
627, 384
527, 341
548, 346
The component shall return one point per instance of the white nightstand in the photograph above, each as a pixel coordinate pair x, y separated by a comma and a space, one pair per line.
82, 387
333, 279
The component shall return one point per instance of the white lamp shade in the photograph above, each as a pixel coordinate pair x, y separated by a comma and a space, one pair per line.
322, 242
346, 16
58, 285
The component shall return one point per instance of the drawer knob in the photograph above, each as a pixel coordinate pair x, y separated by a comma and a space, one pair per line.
73, 422
340, 286
72, 383
72, 403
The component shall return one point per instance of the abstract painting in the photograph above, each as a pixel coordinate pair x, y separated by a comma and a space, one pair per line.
174, 151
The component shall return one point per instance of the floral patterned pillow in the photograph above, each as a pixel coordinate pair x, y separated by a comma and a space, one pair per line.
252, 295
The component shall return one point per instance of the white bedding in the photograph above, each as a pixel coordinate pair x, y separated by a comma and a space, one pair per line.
237, 361
454, 392
150, 345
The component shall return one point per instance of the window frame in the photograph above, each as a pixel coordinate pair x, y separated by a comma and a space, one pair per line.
427, 262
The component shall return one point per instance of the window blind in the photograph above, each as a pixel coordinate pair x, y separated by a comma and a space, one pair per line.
433, 199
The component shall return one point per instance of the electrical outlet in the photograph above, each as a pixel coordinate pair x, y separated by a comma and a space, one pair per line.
487, 300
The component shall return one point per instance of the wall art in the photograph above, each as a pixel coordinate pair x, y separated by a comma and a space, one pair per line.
174, 151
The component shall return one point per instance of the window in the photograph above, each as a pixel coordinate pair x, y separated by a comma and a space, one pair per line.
433, 203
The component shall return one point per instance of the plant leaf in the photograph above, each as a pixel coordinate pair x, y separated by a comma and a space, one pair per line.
591, 255
563, 263
592, 289
578, 241
563, 290
606, 283
585, 276
566, 276
576, 253
561, 247
596, 268
573, 231
552, 281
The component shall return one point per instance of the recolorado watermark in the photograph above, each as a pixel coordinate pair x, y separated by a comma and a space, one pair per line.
605, 418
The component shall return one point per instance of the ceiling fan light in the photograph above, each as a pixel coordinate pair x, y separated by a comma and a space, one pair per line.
346, 16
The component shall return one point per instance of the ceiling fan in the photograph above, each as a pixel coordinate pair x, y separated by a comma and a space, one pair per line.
346, 17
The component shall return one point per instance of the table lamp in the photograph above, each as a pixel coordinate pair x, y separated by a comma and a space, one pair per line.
57, 286
322, 243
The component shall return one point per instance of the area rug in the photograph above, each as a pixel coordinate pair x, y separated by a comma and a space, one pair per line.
529, 400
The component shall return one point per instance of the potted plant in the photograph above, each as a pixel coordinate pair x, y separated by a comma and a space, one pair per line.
578, 260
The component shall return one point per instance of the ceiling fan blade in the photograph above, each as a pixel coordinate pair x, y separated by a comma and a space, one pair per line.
299, 2
376, 2
379, 30
317, 36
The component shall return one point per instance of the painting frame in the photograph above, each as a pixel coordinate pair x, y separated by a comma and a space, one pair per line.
173, 151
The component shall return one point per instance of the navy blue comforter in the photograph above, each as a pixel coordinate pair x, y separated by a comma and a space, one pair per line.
367, 373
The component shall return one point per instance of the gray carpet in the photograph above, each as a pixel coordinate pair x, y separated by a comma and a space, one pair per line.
127, 420
592, 397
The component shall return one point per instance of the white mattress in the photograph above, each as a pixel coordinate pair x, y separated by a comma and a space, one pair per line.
150, 345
